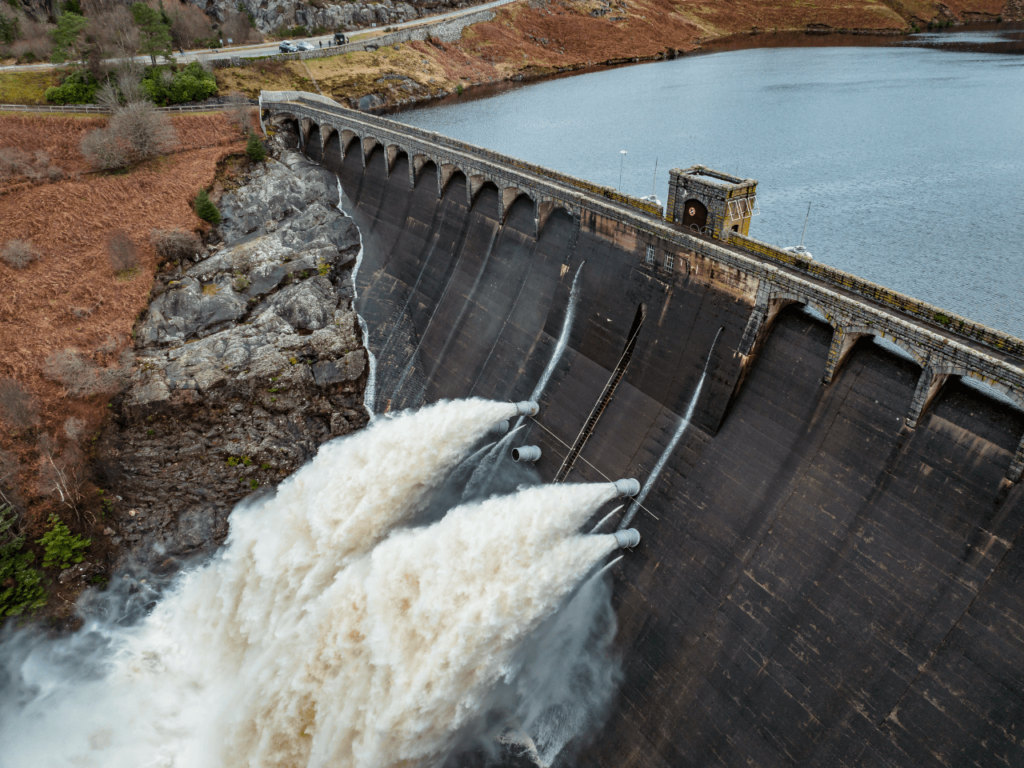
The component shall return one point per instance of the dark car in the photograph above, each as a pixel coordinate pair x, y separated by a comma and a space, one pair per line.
287, 46
340, 39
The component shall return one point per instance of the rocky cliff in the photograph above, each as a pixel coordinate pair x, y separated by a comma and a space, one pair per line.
247, 360
340, 16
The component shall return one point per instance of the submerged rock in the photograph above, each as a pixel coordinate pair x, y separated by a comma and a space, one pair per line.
246, 362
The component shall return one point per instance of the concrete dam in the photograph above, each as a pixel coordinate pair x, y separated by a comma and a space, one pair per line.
831, 571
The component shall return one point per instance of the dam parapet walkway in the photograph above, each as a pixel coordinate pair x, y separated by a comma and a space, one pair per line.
941, 343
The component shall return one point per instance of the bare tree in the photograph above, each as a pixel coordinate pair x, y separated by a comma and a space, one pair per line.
147, 132
188, 24
62, 473
103, 149
175, 244
19, 253
113, 31
239, 111
129, 81
136, 132
16, 162
81, 377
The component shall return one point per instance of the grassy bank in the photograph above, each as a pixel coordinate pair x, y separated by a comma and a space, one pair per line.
27, 87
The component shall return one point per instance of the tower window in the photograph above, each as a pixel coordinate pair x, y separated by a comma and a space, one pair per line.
669, 261
650, 254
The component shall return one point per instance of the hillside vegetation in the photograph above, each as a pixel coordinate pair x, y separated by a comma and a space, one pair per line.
535, 38
76, 269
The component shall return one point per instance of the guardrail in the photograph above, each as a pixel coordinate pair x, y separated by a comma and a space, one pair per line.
75, 108
929, 313
95, 109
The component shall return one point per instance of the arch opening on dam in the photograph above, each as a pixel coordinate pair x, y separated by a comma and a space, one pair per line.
834, 575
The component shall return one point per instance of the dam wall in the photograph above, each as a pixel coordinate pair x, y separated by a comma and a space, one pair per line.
831, 570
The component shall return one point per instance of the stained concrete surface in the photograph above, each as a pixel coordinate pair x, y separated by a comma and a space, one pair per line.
821, 586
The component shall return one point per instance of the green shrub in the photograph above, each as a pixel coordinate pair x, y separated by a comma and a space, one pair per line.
62, 548
296, 31
205, 209
77, 88
254, 149
21, 586
193, 83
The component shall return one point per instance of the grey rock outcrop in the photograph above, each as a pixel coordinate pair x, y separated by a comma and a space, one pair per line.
247, 361
331, 16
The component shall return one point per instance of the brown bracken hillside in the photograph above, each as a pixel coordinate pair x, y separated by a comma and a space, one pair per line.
71, 298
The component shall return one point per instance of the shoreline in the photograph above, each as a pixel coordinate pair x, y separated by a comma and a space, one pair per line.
736, 42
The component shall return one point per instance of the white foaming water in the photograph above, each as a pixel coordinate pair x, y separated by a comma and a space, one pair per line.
485, 470
325, 634
670, 448
370, 393
563, 337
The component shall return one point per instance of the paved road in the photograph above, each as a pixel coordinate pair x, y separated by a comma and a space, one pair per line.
265, 49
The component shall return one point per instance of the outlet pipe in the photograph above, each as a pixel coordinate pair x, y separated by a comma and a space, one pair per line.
627, 538
527, 408
502, 427
627, 487
526, 453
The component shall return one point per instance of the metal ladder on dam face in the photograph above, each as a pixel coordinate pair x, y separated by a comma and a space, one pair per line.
604, 399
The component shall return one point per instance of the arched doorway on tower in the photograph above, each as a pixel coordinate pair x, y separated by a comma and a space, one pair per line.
695, 215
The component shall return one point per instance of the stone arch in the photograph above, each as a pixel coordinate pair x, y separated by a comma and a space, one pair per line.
947, 369
475, 185
369, 144
867, 330
695, 214
507, 197
314, 148
334, 152
544, 209
391, 154
419, 165
844, 337
780, 299
306, 125
445, 173
347, 138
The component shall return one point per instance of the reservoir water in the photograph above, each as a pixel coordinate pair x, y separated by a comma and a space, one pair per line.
911, 157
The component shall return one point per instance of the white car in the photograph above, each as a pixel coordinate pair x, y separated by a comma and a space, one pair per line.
305, 46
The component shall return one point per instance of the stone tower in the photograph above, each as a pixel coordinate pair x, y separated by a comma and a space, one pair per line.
711, 202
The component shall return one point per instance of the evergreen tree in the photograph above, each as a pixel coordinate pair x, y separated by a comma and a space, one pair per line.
254, 149
154, 33
67, 38
205, 209
62, 548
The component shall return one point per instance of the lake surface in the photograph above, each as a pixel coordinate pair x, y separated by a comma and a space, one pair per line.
912, 158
